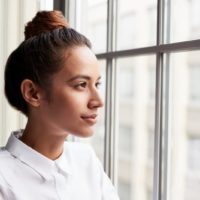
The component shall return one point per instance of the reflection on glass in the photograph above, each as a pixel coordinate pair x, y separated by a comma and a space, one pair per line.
97, 140
184, 20
136, 23
93, 19
136, 86
185, 126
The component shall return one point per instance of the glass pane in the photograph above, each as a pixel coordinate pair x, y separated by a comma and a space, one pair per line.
97, 140
136, 90
93, 22
185, 20
136, 23
185, 127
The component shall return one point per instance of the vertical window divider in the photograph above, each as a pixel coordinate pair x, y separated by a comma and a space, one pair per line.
166, 128
59, 5
67, 10
167, 120
111, 96
70, 12
158, 153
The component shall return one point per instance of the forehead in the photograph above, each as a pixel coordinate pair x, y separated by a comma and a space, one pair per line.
80, 60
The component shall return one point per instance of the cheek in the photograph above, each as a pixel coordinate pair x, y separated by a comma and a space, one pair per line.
72, 103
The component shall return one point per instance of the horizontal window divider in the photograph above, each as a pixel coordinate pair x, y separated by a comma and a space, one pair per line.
164, 48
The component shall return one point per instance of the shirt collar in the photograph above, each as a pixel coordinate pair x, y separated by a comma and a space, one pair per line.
63, 163
38, 162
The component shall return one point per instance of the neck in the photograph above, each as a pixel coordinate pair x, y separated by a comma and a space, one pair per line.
44, 139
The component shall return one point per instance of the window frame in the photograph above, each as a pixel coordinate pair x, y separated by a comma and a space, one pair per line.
161, 50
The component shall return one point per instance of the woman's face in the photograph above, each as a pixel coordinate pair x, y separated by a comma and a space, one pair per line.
74, 98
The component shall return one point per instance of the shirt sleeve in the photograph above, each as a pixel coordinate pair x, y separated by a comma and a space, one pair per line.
108, 190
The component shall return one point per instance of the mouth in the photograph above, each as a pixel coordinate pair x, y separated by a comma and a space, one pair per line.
90, 119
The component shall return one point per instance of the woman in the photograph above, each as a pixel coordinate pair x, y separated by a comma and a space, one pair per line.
53, 78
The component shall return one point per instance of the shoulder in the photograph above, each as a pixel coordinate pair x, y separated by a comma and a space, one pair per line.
3, 151
4, 155
7, 161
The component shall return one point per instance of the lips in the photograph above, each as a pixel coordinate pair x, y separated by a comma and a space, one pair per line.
91, 118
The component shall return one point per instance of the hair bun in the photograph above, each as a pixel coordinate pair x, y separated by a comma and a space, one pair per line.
45, 21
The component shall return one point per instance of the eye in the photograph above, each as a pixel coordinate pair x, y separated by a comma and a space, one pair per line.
81, 85
98, 84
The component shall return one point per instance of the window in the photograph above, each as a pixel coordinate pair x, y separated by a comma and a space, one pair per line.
127, 20
134, 111
126, 78
125, 140
92, 21
136, 23
125, 190
194, 74
194, 16
184, 130
151, 53
185, 25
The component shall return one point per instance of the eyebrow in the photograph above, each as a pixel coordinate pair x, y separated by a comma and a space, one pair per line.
81, 77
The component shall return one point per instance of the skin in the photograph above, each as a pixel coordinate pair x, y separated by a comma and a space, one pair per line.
72, 108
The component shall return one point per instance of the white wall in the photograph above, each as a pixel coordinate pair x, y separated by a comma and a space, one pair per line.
14, 14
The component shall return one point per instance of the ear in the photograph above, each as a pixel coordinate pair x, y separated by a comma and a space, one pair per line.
31, 92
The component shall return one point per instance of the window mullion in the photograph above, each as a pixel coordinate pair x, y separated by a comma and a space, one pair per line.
157, 179
110, 106
166, 128
59, 5
71, 12
166, 118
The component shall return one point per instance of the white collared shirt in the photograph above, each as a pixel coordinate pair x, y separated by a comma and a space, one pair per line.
77, 174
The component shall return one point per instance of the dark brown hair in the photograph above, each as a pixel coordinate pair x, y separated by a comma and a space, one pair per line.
45, 21
40, 55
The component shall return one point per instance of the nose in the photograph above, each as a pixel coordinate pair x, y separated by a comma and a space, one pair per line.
95, 100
